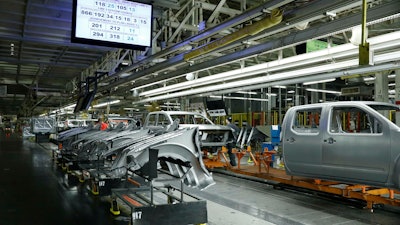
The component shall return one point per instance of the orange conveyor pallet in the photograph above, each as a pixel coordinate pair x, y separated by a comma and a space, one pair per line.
261, 169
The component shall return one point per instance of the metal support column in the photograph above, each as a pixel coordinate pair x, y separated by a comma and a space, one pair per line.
364, 46
397, 95
381, 87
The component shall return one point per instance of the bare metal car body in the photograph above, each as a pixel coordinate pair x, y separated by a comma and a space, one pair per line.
179, 152
178, 149
211, 135
350, 141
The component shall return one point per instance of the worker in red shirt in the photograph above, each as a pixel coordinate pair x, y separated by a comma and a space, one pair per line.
103, 125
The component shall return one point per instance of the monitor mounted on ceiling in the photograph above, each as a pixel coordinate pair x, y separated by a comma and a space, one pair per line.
112, 23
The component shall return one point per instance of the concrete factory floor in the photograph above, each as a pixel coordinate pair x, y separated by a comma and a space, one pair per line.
34, 191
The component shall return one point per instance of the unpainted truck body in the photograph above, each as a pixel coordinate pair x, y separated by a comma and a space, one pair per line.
352, 142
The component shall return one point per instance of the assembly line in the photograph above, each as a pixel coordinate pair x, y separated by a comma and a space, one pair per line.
199, 112
118, 153
233, 199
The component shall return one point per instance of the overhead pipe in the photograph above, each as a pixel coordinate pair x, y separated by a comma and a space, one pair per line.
274, 19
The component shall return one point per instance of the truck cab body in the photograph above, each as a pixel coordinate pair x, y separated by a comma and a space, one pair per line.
352, 142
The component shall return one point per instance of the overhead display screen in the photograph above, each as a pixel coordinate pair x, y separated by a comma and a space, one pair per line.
114, 23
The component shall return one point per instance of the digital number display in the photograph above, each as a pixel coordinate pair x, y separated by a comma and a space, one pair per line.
114, 23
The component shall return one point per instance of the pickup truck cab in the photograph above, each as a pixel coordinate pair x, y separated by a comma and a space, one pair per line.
211, 135
354, 142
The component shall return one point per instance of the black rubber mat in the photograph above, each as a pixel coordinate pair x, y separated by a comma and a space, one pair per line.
34, 191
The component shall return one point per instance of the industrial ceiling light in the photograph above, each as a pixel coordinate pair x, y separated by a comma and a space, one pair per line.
254, 93
319, 81
301, 79
324, 91
12, 49
345, 50
247, 92
366, 79
172, 103
341, 69
124, 75
106, 103
241, 98
131, 109
70, 106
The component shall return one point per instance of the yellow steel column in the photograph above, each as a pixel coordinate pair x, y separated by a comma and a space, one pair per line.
364, 46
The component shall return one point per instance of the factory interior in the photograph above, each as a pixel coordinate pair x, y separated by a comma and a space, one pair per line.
218, 112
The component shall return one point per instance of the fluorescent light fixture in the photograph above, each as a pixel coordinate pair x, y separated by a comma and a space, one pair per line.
247, 92
342, 69
63, 111
55, 111
290, 92
369, 79
122, 75
319, 81
170, 106
172, 103
106, 103
366, 79
70, 106
241, 98
331, 54
323, 91
332, 70
254, 93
